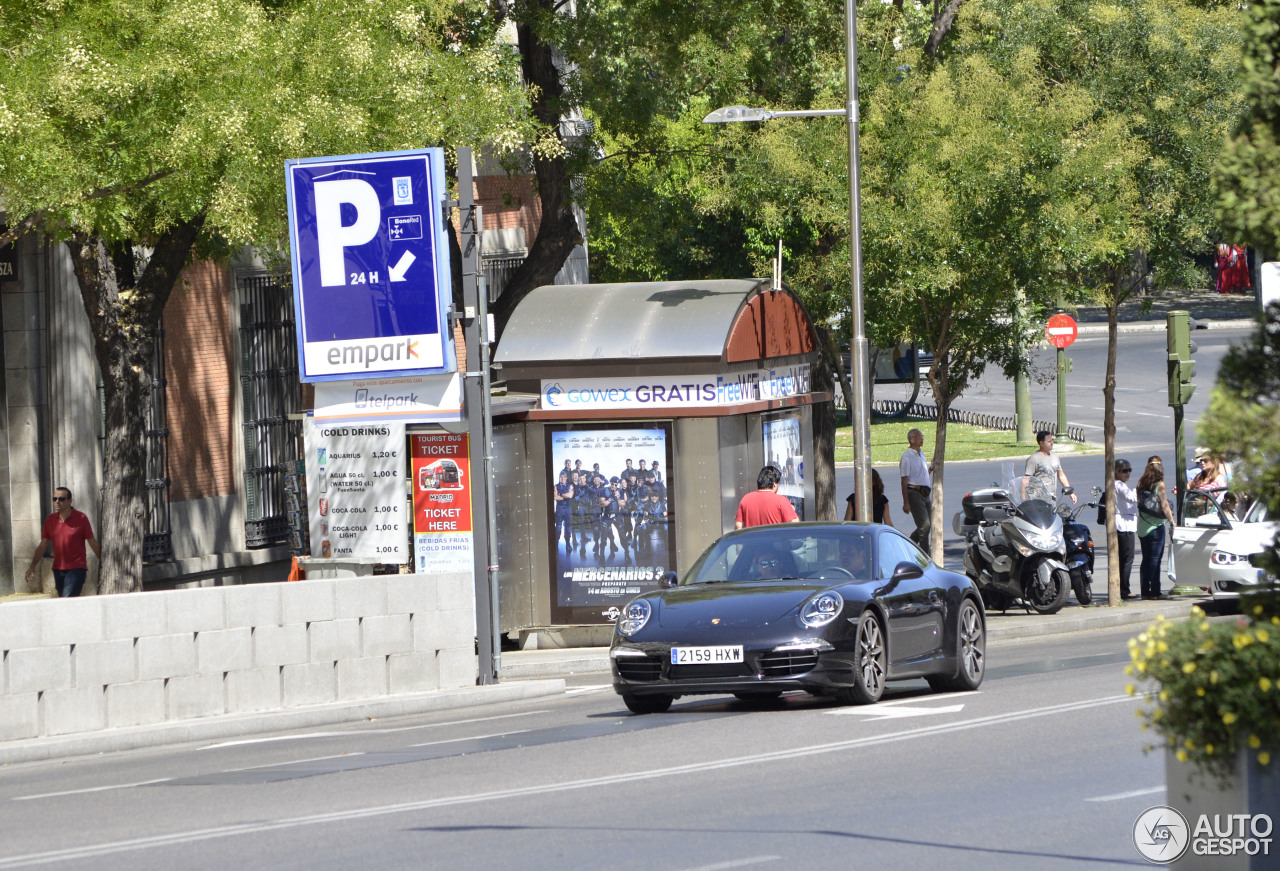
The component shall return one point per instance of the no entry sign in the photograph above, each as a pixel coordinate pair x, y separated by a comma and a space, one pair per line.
1061, 330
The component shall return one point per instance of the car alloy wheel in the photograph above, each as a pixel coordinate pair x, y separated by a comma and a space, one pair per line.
971, 652
870, 664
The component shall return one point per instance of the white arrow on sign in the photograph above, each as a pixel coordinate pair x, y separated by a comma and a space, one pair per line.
881, 712
402, 266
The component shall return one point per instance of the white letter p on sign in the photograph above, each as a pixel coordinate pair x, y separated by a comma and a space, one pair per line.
332, 238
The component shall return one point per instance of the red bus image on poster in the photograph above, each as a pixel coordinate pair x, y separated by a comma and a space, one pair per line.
442, 532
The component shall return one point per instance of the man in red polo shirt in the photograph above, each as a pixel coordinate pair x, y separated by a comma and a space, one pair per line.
69, 530
765, 506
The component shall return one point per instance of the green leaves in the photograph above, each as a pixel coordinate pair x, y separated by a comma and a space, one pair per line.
121, 117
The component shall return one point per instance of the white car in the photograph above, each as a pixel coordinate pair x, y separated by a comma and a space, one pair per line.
1212, 548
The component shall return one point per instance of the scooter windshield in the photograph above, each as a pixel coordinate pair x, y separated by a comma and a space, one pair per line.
1037, 511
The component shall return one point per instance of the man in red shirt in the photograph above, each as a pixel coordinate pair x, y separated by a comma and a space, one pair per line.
765, 506
69, 531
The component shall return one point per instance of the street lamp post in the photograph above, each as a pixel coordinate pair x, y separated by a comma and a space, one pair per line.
860, 413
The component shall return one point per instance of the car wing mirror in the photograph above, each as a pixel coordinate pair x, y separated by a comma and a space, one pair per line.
906, 570
670, 579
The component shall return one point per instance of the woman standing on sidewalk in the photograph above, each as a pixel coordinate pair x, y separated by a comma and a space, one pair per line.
1153, 511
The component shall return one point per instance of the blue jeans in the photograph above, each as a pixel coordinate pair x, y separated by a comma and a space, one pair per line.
1152, 557
70, 581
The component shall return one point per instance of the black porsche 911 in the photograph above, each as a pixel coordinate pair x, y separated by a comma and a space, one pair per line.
835, 609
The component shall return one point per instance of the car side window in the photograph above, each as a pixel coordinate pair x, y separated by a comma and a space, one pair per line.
1201, 510
892, 550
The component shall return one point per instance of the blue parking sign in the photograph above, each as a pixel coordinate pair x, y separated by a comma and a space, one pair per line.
371, 280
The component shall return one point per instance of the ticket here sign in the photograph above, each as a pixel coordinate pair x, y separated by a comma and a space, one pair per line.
443, 539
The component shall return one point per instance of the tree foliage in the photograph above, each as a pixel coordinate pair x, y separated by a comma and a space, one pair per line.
137, 131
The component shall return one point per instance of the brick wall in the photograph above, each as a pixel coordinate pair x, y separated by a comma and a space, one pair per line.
509, 201
199, 368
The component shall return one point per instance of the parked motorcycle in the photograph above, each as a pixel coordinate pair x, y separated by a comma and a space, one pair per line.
1016, 549
1079, 540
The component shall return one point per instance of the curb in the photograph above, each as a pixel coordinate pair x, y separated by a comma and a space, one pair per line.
596, 660
239, 725
1096, 329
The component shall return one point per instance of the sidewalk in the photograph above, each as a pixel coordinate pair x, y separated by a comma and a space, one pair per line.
1013, 624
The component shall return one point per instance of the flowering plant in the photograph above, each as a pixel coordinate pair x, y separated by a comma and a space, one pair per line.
1217, 687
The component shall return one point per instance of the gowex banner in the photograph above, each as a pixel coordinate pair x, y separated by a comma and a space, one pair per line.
370, 265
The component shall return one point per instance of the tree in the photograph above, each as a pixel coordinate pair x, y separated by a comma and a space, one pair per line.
1160, 79
139, 132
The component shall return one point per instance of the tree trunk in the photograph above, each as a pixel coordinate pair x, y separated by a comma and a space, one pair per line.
123, 317
1109, 445
942, 26
558, 230
824, 439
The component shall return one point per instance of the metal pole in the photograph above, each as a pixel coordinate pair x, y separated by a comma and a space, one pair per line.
860, 414
1061, 434
475, 390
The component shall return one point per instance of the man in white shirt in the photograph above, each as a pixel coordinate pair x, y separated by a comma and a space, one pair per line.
917, 488
1126, 524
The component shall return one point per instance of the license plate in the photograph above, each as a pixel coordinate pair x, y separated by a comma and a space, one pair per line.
706, 655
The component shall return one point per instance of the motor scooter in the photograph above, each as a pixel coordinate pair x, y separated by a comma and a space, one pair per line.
1016, 549
1079, 541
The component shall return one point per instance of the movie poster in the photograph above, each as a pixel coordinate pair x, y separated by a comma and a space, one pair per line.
443, 540
782, 449
610, 516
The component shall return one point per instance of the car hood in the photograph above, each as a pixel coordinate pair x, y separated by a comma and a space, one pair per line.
1247, 538
732, 604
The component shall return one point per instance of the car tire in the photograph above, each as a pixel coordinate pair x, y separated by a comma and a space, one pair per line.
870, 664
971, 652
647, 704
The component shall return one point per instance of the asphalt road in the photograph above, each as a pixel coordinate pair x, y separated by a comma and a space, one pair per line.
1043, 768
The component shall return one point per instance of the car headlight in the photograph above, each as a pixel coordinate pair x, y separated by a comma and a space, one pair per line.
1226, 558
634, 616
821, 609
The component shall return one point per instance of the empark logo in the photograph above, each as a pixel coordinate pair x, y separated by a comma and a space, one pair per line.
369, 354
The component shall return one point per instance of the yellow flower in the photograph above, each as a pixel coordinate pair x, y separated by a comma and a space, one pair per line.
1189, 744
1182, 755
1208, 750
1163, 647
1255, 742
1200, 691
1264, 683
1163, 695
1188, 667
1130, 689
1264, 758
1213, 677
1262, 635
1228, 718
1197, 611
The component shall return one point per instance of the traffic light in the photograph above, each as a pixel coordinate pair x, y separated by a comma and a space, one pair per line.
1181, 367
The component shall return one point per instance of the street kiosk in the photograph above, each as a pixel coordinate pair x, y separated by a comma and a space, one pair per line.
637, 416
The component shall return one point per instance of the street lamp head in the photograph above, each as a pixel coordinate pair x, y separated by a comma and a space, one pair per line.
728, 114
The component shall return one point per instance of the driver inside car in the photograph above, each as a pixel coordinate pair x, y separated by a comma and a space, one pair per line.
769, 564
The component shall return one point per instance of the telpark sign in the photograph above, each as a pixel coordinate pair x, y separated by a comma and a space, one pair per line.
370, 265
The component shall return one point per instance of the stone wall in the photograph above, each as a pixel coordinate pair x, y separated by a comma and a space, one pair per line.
103, 662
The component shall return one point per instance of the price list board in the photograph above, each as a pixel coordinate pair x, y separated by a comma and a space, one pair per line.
356, 491
442, 530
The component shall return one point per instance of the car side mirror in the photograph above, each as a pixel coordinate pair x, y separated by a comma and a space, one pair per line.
906, 570
670, 579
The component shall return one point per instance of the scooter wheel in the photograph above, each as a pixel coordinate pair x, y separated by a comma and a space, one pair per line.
1080, 585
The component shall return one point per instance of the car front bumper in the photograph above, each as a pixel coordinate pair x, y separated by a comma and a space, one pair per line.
817, 666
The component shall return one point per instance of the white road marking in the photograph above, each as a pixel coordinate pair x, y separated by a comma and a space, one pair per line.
471, 738
90, 789
1123, 795
185, 838
381, 731
735, 863
577, 691
1149, 414
876, 712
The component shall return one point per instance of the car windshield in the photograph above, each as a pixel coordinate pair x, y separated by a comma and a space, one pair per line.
1257, 513
835, 553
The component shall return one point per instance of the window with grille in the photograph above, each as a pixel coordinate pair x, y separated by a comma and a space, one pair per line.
271, 392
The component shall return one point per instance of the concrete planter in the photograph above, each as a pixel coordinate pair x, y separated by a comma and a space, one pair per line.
1254, 789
